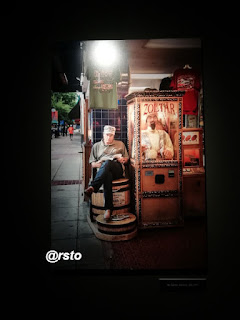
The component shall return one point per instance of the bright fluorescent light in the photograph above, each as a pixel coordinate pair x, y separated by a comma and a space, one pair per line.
137, 88
150, 75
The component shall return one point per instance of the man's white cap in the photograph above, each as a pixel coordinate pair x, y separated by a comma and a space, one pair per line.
109, 129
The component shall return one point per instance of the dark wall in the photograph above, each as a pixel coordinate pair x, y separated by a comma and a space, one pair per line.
27, 47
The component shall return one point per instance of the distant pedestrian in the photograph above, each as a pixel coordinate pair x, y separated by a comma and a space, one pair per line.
56, 131
63, 130
52, 131
70, 130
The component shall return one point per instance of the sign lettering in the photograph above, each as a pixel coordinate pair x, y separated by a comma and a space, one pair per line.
166, 107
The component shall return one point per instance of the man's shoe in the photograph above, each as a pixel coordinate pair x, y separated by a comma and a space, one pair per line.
88, 191
119, 217
107, 214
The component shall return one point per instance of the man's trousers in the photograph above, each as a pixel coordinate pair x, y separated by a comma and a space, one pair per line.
110, 170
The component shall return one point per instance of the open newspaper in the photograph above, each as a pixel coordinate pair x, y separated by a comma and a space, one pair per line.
110, 157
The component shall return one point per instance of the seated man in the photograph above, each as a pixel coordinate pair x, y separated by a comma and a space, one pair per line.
109, 157
156, 143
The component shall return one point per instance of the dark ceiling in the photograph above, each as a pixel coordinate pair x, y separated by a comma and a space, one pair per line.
155, 56
66, 66
162, 55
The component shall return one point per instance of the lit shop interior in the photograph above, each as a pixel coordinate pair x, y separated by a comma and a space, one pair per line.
148, 83
159, 77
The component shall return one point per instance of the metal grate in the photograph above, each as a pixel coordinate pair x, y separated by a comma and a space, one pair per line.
117, 118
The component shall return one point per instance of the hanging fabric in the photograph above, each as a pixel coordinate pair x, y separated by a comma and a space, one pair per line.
103, 87
188, 80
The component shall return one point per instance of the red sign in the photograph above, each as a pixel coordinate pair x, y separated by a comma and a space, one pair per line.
54, 116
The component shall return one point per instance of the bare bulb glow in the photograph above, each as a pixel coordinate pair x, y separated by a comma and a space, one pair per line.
105, 53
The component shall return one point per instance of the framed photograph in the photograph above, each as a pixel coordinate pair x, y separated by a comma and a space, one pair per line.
190, 137
191, 157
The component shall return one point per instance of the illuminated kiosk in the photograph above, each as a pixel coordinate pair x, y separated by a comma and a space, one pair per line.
156, 179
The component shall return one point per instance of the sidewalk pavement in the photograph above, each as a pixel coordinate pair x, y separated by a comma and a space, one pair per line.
69, 227
183, 248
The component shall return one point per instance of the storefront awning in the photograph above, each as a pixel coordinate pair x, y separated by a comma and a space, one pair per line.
75, 112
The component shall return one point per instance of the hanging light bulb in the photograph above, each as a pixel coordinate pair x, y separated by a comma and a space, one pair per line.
105, 53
